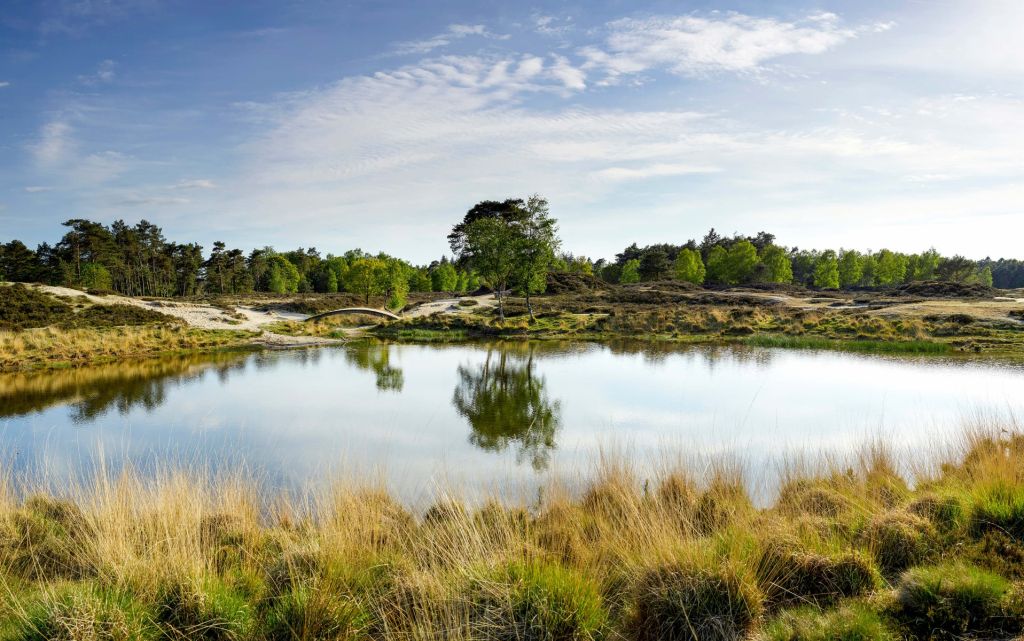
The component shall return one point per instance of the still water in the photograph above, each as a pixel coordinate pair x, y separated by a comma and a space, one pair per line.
485, 416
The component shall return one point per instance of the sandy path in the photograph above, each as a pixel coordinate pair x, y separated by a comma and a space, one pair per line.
451, 306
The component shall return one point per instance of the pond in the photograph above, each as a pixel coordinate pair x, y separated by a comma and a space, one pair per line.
485, 416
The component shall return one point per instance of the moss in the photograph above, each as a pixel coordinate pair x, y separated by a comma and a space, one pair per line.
789, 575
538, 602
690, 602
952, 600
899, 540
855, 622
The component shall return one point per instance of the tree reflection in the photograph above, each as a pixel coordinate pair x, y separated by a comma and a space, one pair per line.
376, 357
506, 404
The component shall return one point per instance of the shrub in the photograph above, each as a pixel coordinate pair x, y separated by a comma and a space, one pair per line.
951, 600
899, 540
85, 613
789, 575
680, 601
539, 602
848, 623
312, 614
209, 610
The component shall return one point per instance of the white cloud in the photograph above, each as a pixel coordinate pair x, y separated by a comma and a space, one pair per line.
104, 74
4, 84
453, 33
657, 170
36, 189
697, 45
55, 144
198, 183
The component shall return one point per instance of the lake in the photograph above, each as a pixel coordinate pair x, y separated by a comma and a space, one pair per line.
486, 416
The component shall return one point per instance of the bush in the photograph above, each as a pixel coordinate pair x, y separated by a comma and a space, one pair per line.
209, 610
539, 602
684, 602
952, 600
312, 614
849, 623
789, 575
899, 540
85, 613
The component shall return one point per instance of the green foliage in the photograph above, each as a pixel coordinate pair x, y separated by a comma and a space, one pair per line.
444, 278
654, 265
948, 601
689, 267
848, 623
851, 268
999, 506
630, 272
366, 277
282, 276
826, 271
739, 264
890, 268
687, 601
540, 602
95, 276
777, 266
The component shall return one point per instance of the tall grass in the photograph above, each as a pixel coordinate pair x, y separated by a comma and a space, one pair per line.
52, 346
848, 551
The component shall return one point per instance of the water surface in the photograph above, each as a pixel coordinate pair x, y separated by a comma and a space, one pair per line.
485, 416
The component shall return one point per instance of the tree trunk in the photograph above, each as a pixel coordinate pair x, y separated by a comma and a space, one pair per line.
501, 302
529, 305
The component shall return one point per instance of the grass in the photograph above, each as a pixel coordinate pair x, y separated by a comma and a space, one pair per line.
855, 345
56, 347
849, 552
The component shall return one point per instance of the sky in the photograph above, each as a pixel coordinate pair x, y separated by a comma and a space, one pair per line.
377, 124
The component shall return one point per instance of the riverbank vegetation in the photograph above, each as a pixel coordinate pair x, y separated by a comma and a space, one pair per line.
847, 550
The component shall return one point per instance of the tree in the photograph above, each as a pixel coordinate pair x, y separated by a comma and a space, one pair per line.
282, 276
689, 267
509, 211
826, 271
777, 266
536, 242
444, 278
630, 272
717, 264
18, 263
740, 262
654, 264
957, 269
490, 246
851, 268
890, 268
366, 276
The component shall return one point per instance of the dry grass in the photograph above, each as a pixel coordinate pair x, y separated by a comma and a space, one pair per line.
684, 556
52, 346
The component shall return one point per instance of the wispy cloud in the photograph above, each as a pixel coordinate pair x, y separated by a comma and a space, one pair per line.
78, 16
36, 189
657, 170
453, 33
105, 73
197, 183
4, 84
55, 144
702, 44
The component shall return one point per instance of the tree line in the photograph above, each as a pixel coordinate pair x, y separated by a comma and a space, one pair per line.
137, 260
745, 260
509, 246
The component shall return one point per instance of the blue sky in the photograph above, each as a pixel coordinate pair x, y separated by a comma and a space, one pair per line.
377, 124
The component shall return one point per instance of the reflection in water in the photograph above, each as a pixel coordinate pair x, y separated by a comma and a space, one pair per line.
377, 358
506, 403
92, 391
